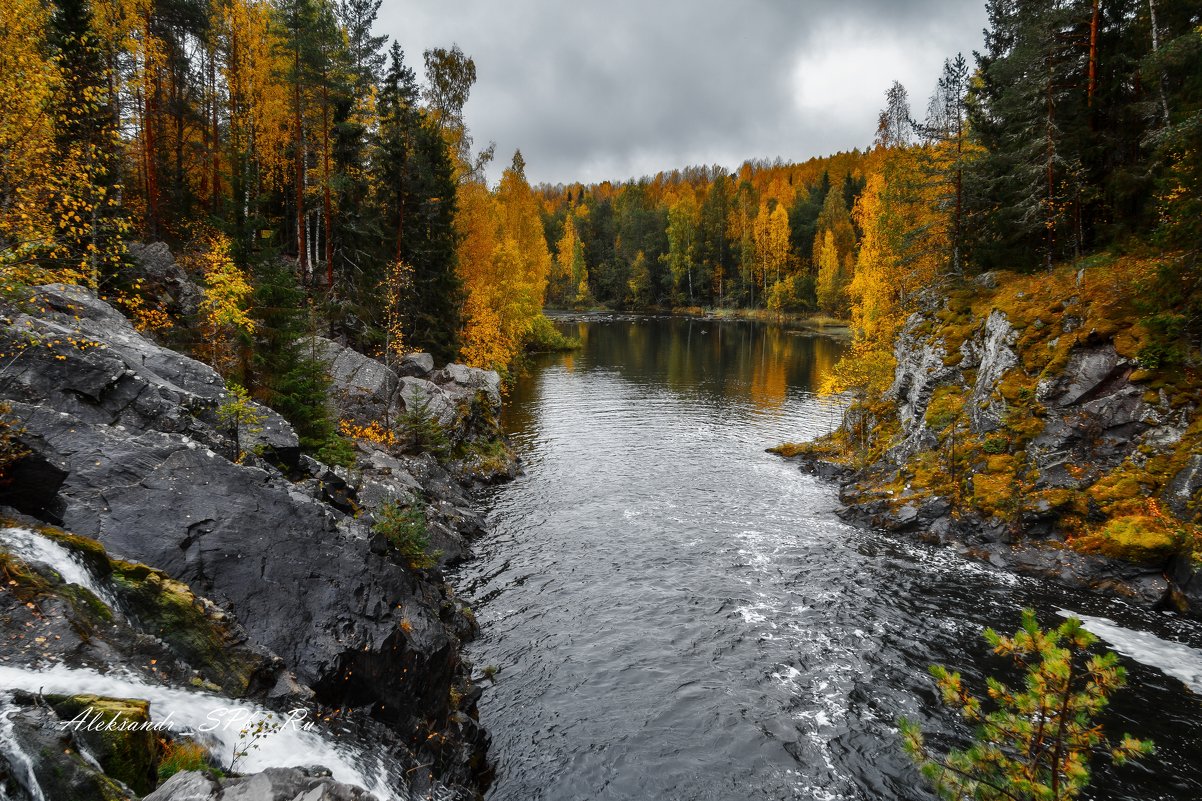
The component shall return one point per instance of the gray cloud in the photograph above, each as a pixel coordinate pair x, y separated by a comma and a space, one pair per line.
591, 91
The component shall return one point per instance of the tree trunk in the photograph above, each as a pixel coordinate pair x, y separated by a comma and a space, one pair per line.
1050, 217
302, 262
326, 198
1164, 102
1093, 54
215, 152
149, 146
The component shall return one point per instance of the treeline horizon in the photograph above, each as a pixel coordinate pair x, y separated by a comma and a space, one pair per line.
1073, 130
310, 182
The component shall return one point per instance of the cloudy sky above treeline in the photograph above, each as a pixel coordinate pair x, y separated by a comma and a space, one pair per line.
591, 90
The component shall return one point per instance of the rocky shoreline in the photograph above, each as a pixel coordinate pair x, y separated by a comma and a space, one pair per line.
258, 579
1022, 429
1172, 586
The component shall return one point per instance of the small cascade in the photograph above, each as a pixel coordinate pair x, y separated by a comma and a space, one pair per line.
216, 721
18, 760
30, 546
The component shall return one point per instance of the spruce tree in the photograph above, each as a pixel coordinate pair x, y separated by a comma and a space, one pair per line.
415, 202
288, 377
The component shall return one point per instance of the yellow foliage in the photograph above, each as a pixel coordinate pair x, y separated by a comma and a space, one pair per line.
770, 237
398, 282
144, 317
28, 83
864, 370
224, 307
504, 265
373, 432
259, 100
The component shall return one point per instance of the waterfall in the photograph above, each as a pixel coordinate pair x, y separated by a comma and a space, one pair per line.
18, 760
211, 719
31, 546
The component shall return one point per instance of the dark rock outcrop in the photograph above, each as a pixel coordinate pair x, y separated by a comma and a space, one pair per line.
82, 358
163, 280
127, 450
1042, 423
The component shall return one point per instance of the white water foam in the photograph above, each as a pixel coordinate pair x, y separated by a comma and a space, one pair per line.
1171, 658
30, 546
18, 760
216, 719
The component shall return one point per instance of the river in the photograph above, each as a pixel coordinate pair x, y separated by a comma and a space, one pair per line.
675, 614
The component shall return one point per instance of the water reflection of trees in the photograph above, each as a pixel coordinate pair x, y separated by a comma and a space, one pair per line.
752, 362
736, 359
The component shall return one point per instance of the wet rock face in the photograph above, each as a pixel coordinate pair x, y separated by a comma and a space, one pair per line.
301, 578
38, 752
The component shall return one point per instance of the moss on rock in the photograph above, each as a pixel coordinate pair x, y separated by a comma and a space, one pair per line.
116, 731
1141, 539
168, 609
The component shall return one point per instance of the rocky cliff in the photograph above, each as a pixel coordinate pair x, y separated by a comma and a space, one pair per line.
125, 450
1030, 422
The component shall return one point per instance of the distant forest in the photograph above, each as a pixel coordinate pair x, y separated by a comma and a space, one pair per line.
308, 180
1077, 128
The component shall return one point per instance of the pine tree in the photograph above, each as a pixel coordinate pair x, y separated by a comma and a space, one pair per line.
1037, 741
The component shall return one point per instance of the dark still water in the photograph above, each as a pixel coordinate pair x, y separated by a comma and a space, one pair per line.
676, 614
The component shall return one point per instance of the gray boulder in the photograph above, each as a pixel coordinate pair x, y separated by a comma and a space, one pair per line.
163, 279
84, 358
1092, 371
466, 401
362, 390
417, 365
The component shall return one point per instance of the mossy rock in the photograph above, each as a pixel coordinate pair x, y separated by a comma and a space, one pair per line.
168, 609
1135, 538
993, 493
20, 579
89, 550
128, 752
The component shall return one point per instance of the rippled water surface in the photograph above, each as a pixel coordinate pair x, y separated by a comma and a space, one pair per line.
676, 614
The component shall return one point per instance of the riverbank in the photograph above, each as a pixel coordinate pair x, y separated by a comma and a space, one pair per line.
817, 323
673, 613
142, 537
1031, 423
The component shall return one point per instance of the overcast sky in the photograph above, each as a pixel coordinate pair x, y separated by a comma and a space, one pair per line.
611, 90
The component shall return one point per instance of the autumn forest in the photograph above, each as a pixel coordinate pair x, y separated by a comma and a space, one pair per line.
311, 180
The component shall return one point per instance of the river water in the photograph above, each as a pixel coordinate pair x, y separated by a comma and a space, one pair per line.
675, 614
